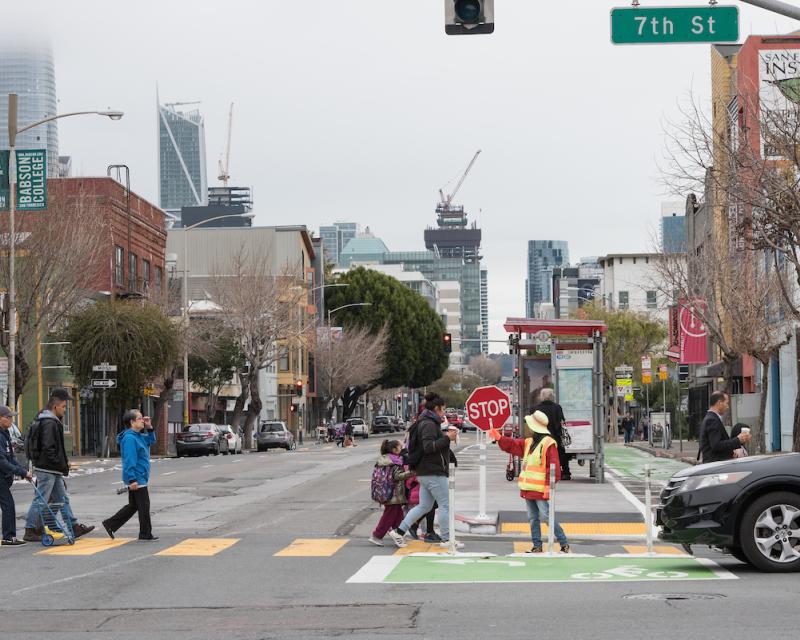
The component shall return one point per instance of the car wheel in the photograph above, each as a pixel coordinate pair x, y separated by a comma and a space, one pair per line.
769, 533
737, 553
216, 450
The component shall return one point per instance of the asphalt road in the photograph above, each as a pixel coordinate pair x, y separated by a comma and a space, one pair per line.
245, 509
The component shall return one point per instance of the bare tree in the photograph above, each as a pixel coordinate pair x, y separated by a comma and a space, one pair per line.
58, 265
351, 358
486, 369
265, 312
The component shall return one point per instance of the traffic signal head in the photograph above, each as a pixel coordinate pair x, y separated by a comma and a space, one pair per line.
292, 408
298, 388
516, 371
464, 17
447, 341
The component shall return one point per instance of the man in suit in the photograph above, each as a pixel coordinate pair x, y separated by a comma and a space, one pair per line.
715, 444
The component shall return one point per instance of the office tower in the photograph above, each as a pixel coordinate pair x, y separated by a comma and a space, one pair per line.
27, 69
543, 257
673, 227
335, 238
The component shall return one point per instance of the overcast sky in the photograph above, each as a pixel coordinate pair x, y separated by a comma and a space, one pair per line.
361, 109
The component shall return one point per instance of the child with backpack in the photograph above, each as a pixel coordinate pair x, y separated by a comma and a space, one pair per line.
389, 488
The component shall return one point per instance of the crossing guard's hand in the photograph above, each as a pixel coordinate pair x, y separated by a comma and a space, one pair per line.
494, 434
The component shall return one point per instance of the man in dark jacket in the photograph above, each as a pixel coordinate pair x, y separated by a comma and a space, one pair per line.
429, 457
715, 444
48, 454
555, 415
9, 467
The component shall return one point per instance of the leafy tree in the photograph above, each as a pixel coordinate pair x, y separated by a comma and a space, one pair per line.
454, 387
136, 336
486, 369
214, 369
415, 355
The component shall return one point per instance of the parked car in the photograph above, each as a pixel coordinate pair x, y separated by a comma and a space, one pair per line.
381, 424
201, 439
273, 434
399, 424
234, 438
747, 506
360, 428
457, 420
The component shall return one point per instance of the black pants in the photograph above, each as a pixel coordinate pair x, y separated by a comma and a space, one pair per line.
8, 509
563, 458
428, 519
138, 501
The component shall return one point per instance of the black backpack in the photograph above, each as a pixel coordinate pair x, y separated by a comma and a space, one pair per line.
33, 441
415, 451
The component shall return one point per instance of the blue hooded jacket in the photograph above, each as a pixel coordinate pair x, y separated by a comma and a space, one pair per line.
135, 450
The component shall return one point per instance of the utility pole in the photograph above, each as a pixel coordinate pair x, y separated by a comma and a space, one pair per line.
776, 6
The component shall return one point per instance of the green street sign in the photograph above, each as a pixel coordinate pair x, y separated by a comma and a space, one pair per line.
5, 190
671, 25
31, 180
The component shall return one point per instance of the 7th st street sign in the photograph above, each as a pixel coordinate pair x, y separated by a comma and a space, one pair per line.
674, 25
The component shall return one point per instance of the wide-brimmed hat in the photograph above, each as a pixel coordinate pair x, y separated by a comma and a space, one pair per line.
538, 423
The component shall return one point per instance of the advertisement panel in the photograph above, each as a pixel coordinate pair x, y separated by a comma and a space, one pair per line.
575, 397
779, 86
5, 187
693, 337
31, 180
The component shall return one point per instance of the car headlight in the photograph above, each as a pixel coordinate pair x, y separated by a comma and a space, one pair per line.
712, 480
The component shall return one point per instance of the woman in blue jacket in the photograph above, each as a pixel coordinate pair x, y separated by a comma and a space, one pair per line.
134, 446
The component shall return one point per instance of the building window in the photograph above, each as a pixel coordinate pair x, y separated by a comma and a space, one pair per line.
146, 273
283, 359
119, 266
158, 278
623, 300
652, 300
132, 271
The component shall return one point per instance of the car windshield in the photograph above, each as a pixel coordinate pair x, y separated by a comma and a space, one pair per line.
381, 419
355, 421
195, 428
274, 426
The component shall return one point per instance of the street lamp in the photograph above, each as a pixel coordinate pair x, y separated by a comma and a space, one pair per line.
13, 131
330, 338
186, 302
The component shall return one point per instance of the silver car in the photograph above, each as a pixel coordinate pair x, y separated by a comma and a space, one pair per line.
273, 434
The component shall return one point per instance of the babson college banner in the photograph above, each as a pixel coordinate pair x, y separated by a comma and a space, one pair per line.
31, 180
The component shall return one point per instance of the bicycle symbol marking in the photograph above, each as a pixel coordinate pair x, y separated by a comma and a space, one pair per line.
630, 571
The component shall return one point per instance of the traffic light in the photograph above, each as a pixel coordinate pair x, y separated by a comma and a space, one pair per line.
467, 17
292, 408
298, 388
513, 343
447, 341
516, 372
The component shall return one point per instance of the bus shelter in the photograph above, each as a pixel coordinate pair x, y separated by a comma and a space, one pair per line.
567, 356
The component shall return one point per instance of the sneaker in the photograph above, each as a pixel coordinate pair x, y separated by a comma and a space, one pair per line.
413, 534
432, 537
32, 535
150, 538
446, 544
13, 542
397, 538
538, 549
564, 548
108, 530
79, 530
376, 541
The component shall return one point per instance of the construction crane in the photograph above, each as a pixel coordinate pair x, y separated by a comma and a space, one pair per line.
446, 200
224, 174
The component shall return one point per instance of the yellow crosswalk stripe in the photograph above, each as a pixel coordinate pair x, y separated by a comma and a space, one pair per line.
199, 547
582, 528
84, 547
524, 547
636, 548
418, 546
312, 548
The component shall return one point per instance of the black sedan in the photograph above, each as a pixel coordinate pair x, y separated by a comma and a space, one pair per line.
748, 506
382, 424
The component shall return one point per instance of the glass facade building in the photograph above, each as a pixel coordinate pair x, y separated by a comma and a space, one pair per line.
335, 238
673, 234
29, 71
484, 312
543, 257
181, 160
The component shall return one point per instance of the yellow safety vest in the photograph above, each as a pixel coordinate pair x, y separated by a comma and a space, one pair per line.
533, 476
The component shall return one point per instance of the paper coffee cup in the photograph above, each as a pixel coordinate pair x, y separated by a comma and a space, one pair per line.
746, 430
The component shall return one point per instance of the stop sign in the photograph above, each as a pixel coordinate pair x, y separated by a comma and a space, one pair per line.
488, 407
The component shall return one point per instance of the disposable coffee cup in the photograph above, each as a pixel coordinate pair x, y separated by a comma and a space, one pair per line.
746, 430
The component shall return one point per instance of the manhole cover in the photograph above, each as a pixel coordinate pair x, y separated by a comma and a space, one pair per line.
673, 596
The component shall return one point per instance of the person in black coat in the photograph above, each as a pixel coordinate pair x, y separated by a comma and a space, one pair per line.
555, 416
9, 467
715, 443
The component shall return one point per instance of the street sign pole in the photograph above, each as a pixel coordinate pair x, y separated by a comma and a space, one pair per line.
482, 472
105, 421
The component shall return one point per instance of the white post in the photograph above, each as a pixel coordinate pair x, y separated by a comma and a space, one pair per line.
648, 509
451, 512
482, 477
551, 518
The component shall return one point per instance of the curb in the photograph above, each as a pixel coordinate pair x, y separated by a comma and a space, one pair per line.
661, 453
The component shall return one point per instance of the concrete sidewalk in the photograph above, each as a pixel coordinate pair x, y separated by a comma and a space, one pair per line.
687, 454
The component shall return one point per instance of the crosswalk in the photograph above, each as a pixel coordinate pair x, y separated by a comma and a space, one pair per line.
297, 548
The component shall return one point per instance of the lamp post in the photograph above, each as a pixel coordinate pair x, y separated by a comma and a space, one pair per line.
185, 287
13, 131
330, 339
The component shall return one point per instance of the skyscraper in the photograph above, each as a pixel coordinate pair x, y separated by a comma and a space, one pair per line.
335, 238
543, 256
28, 70
181, 159
485, 312
673, 227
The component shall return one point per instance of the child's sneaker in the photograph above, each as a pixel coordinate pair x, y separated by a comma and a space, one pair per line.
376, 541
413, 534
397, 538
536, 550
564, 548
431, 537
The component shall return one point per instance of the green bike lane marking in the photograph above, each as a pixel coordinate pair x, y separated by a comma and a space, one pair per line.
630, 462
504, 569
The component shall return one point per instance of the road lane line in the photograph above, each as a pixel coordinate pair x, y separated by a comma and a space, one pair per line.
206, 466
312, 548
199, 547
662, 549
376, 570
168, 473
84, 547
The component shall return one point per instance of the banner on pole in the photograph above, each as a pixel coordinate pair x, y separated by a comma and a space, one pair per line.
31, 179
5, 183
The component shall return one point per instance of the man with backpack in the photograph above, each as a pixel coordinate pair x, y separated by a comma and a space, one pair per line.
9, 467
44, 446
429, 457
